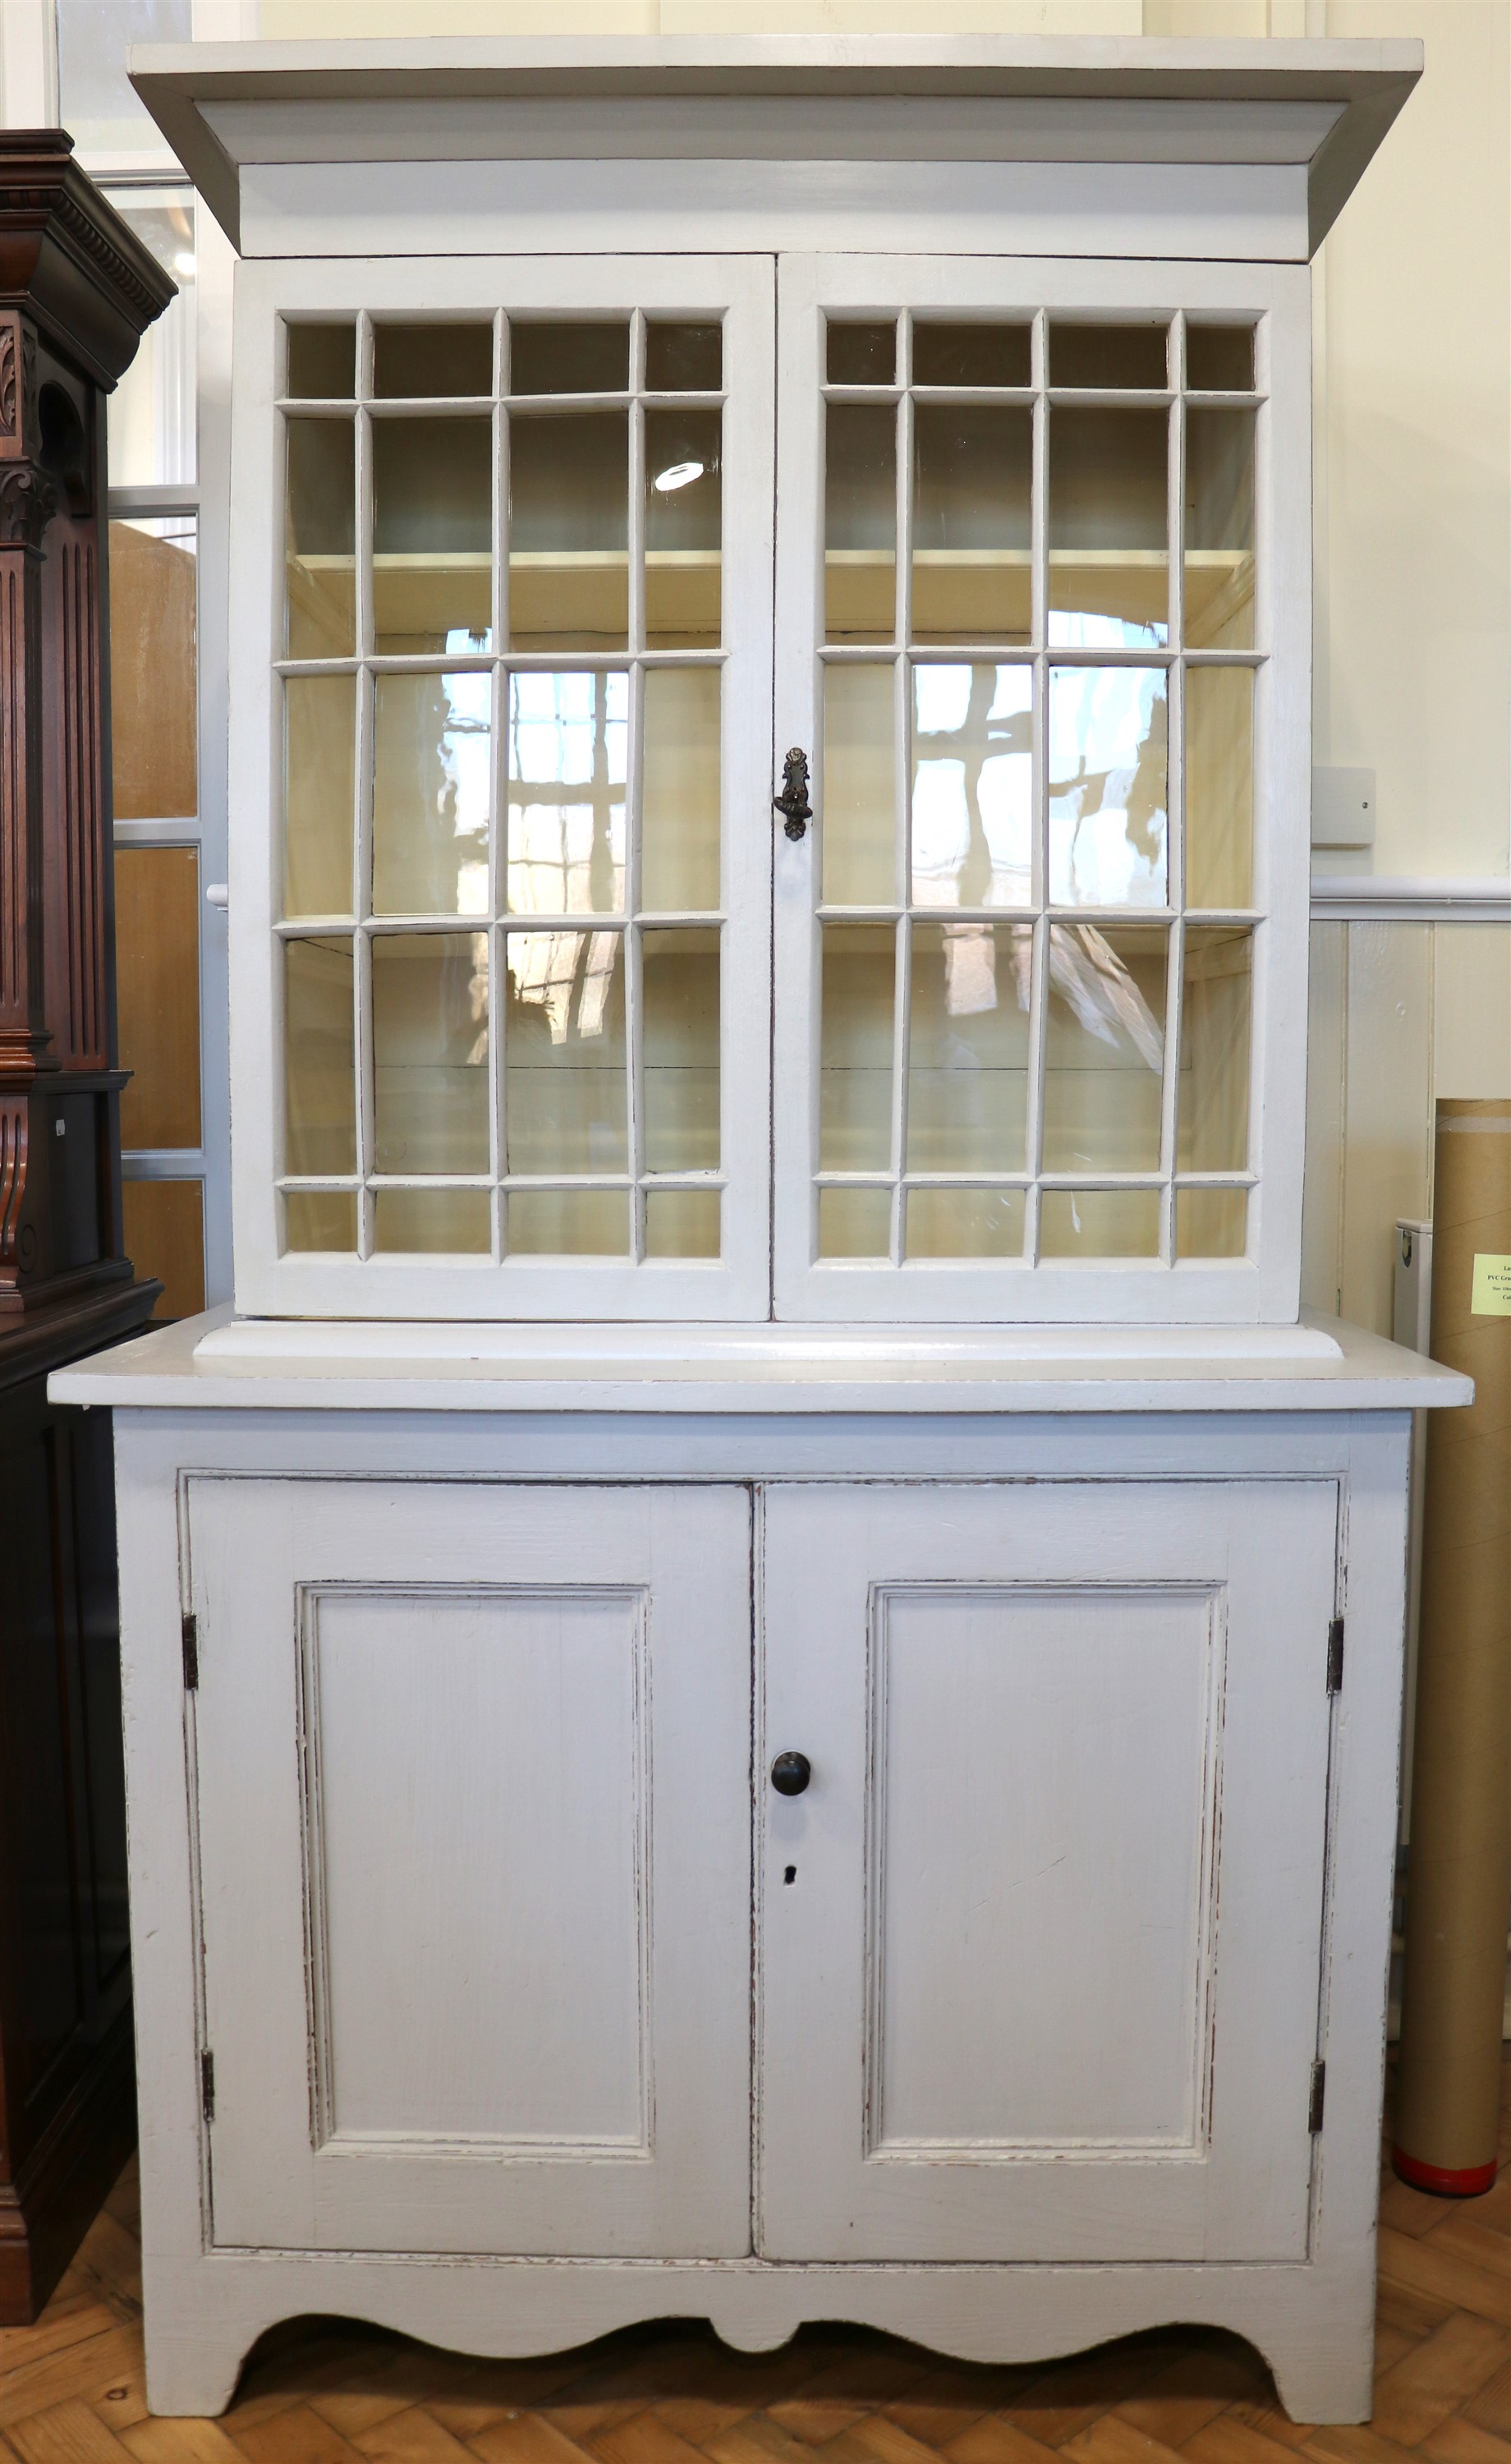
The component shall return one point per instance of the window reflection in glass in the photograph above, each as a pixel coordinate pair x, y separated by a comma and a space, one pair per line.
566, 1095
568, 742
972, 473
1108, 763
432, 794
1104, 1048
973, 799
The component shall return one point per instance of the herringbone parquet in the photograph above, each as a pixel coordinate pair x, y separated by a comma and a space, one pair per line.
71, 2391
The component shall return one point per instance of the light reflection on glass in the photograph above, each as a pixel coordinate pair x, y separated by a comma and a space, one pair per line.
1107, 760
565, 1094
1105, 1050
568, 742
973, 786
432, 794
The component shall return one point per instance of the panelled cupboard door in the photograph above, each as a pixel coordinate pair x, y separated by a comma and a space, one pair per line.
1043, 632
1040, 1941
471, 1780
500, 762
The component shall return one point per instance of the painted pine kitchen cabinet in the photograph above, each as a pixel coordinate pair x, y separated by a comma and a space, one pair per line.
763, 1666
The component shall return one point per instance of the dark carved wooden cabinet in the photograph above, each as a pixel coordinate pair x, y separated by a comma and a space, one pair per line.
76, 290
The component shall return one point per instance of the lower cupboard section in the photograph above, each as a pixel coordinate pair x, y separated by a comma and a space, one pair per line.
1027, 1973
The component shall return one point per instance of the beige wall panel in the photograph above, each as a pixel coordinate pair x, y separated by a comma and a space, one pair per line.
1388, 1116
1471, 1010
1416, 620
1327, 1077
322, 20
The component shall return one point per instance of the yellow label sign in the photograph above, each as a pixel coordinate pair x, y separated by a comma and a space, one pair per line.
1491, 1295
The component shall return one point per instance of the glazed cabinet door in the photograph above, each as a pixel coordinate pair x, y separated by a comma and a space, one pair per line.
1041, 1937
472, 1785
1042, 629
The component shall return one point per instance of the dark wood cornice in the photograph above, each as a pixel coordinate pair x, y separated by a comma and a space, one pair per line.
67, 259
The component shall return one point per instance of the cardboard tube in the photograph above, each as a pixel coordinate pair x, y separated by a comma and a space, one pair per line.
1460, 1878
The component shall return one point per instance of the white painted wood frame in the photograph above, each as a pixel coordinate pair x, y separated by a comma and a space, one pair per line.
1263, 1287
739, 292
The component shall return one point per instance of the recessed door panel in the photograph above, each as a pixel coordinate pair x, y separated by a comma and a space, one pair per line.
1055, 1882
472, 1796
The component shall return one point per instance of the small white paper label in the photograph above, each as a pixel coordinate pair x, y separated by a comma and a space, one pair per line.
1491, 1292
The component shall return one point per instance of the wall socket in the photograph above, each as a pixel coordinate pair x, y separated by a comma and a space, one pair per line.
1343, 809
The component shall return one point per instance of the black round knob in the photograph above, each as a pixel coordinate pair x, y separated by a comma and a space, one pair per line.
790, 1774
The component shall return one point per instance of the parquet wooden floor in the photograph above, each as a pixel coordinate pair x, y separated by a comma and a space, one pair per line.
323, 2393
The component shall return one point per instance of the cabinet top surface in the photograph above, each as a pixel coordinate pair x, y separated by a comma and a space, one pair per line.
1324, 105
220, 1363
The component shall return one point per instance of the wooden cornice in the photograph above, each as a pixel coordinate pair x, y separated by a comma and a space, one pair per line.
68, 260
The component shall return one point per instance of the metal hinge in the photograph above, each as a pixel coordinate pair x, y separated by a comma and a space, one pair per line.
190, 1652
207, 2085
1335, 1656
1314, 2111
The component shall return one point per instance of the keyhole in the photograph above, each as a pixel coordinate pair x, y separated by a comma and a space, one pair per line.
791, 1875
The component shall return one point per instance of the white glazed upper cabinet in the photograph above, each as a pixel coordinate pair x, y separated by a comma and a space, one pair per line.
543, 1007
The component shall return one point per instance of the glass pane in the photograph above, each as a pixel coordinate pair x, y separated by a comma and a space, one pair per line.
319, 1218
322, 362
680, 1004
682, 1223
855, 1223
965, 1223
319, 763
1105, 1050
683, 528
1124, 356
151, 418
1107, 762
1212, 1222
971, 355
973, 814
1220, 529
862, 354
432, 534
1109, 545
164, 1222
569, 535
154, 575
432, 794
973, 480
854, 1062
555, 358
416, 360
433, 1219
568, 738
1219, 787
683, 359
320, 1133
97, 102
968, 1047
430, 1052
860, 561
859, 796
157, 993
680, 790
1099, 1224
569, 1222
1214, 1131
1220, 359
566, 1091
321, 539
